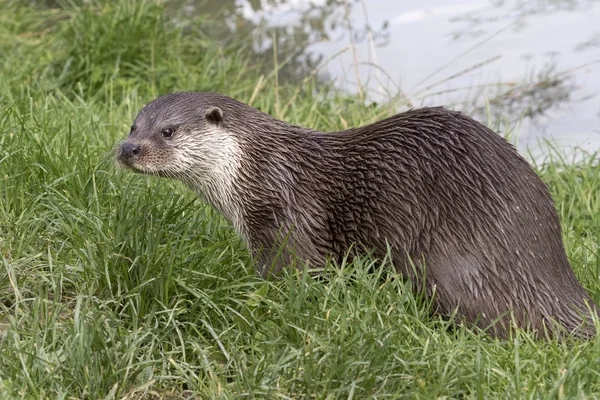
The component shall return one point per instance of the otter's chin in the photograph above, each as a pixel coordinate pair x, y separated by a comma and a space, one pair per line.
126, 164
135, 168
139, 170
147, 171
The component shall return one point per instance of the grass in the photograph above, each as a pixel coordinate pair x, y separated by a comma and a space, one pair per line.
120, 286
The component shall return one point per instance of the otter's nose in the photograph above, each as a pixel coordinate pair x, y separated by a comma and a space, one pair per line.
129, 150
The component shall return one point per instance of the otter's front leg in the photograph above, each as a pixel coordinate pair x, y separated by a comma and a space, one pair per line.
276, 248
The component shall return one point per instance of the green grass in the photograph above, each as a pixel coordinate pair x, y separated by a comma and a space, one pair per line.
121, 286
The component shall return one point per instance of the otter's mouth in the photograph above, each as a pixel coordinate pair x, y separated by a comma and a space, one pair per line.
131, 156
129, 164
128, 156
135, 168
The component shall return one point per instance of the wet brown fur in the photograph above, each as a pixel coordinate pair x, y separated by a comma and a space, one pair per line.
431, 183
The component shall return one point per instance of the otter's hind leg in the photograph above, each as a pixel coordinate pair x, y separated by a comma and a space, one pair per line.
472, 288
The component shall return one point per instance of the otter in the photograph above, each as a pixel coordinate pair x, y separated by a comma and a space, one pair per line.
441, 193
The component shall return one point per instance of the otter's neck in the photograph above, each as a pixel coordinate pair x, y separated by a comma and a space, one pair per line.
218, 176
253, 168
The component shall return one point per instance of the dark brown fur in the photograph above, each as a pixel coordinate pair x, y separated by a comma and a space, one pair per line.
434, 184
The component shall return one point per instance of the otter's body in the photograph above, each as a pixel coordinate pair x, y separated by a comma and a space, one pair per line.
440, 189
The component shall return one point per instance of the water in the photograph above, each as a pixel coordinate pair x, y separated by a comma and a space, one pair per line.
540, 53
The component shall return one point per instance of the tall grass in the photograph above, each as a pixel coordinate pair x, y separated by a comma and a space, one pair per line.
120, 286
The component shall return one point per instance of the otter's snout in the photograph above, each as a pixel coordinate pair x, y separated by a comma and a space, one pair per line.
129, 152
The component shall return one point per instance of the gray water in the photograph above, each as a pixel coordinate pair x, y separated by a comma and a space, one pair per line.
541, 59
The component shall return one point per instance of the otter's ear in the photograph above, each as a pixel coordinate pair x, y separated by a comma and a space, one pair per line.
214, 115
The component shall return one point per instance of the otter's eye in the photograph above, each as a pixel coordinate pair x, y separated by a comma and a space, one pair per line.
167, 133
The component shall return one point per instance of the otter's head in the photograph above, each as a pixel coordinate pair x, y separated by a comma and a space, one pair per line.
182, 136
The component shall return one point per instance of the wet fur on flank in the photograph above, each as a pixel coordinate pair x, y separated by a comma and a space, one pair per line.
442, 190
